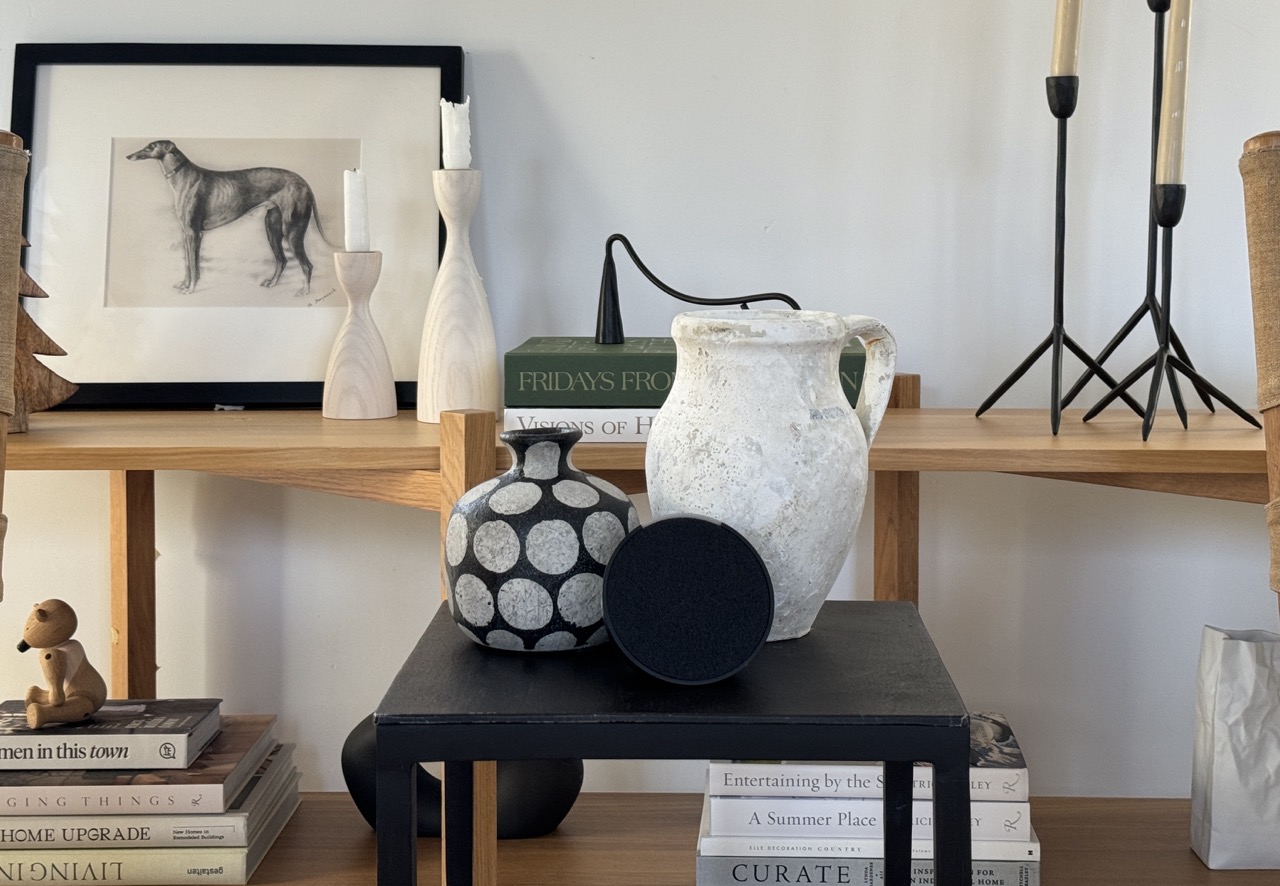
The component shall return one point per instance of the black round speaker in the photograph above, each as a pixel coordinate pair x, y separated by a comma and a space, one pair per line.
687, 599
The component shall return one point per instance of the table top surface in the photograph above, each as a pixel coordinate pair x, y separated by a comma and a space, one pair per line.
870, 662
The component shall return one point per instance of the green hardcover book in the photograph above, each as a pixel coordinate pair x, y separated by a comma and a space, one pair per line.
577, 372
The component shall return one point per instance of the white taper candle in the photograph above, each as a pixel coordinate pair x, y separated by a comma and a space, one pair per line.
1173, 101
356, 210
1066, 39
455, 133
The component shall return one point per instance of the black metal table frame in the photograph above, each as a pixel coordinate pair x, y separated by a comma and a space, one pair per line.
402, 743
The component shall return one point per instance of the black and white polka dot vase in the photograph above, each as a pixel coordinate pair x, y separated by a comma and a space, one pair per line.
525, 552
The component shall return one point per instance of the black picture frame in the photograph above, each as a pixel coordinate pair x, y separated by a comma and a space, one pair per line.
31, 58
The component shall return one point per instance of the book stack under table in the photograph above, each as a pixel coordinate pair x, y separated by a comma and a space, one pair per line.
166, 791
784, 822
609, 392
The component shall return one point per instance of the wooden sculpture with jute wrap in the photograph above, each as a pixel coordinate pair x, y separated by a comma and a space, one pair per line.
1260, 169
13, 175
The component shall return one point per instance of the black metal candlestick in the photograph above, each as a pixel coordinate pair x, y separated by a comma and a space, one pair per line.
1170, 357
1149, 304
1062, 92
1167, 202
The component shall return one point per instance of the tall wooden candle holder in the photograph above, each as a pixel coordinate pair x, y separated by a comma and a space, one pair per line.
359, 383
458, 364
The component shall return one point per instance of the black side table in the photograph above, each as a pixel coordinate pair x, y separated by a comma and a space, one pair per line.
865, 684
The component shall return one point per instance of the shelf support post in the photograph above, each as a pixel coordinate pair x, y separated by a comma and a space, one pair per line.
133, 584
467, 458
897, 515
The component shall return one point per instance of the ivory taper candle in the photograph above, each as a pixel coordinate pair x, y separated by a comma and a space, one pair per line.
1066, 39
1173, 101
455, 133
356, 210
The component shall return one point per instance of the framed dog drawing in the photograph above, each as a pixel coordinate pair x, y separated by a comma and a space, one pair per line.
185, 201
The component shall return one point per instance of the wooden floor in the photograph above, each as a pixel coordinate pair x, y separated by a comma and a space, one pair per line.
648, 840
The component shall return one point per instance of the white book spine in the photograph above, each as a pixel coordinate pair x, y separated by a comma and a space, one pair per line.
854, 817
733, 870
96, 752
145, 867
133, 799
842, 847
124, 831
728, 779
621, 425
133, 831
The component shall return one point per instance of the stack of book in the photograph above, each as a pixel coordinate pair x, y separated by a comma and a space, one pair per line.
162, 791
609, 392
782, 822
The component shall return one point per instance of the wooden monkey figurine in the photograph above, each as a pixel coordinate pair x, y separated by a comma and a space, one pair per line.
75, 690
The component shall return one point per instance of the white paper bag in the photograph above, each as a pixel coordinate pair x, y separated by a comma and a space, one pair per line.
1235, 777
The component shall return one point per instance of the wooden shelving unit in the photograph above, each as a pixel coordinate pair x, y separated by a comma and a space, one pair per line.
649, 840
645, 838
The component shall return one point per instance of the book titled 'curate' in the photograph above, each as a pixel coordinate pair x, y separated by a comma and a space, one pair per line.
163, 733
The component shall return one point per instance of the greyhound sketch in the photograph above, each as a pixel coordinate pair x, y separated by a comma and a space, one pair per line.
204, 199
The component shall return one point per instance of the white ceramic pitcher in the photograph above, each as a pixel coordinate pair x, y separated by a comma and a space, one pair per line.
758, 433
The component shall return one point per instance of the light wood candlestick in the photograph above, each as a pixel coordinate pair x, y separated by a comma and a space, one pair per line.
359, 383
458, 365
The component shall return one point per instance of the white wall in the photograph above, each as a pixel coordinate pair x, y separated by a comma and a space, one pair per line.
894, 159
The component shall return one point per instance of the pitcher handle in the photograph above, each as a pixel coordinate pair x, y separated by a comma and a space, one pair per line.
877, 377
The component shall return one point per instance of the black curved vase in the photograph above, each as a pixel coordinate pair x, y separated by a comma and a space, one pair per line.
534, 796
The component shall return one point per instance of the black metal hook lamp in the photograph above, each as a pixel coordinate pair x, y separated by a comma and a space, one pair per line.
609, 315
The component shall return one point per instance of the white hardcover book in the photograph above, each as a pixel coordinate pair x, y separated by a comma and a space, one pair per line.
617, 425
787, 779
208, 785
855, 817
998, 772
145, 867
728, 870
230, 828
163, 733
846, 847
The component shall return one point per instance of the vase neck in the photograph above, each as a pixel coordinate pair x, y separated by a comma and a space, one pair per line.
544, 451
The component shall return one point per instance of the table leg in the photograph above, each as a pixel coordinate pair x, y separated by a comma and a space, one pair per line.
459, 813
133, 584
897, 822
397, 821
952, 846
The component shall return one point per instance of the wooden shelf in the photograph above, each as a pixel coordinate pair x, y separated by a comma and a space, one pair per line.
649, 840
635, 838
1008, 440
1217, 455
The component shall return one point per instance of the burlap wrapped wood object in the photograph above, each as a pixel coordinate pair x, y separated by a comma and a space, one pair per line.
13, 174
1260, 170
